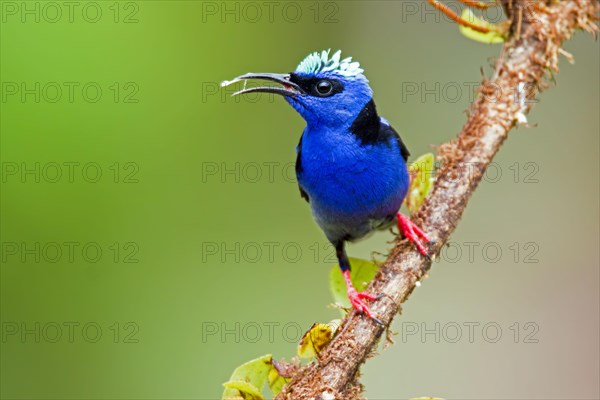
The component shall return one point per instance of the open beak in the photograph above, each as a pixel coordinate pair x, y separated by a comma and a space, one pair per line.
287, 87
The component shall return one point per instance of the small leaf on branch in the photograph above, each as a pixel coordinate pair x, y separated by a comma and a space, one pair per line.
276, 381
421, 180
241, 390
248, 379
316, 339
493, 36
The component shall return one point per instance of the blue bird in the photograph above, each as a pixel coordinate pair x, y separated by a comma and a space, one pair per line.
350, 164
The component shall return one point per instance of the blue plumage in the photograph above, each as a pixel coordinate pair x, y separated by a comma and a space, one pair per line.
351, 164
352, 187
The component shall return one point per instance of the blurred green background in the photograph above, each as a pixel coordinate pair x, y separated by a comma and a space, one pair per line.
153, 236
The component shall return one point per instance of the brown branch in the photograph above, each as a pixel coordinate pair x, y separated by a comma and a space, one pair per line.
503, 102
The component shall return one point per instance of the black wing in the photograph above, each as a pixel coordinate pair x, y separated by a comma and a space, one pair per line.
370, 129
391, 132
303, 194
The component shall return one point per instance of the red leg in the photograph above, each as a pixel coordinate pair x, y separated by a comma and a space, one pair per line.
357, 298
412, 232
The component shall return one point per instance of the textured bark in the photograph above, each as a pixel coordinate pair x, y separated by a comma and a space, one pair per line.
537, 30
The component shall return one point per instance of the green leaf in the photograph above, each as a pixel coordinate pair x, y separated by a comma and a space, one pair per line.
361, 273
241, 390
276, 381
493, 36
247, 380
316, 339
422, 176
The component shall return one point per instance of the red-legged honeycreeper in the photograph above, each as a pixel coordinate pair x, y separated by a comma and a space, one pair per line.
350, 164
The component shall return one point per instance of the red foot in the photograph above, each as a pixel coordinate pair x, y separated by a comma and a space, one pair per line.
357, 298
412, 232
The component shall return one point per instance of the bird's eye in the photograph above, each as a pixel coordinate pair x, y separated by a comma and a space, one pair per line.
324, 87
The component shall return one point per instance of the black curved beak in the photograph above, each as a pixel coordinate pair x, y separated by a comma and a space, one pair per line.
288, 88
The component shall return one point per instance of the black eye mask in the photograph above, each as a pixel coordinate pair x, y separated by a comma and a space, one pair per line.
309, 85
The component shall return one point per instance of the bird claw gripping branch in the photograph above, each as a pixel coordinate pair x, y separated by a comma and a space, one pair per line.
413, 233
357, 299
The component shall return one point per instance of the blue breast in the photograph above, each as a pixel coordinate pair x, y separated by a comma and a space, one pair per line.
354, 185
